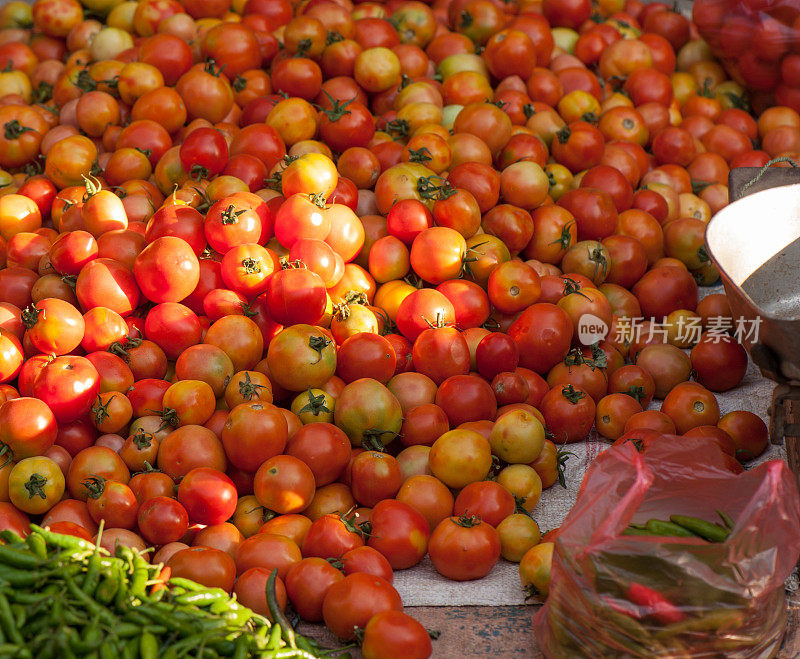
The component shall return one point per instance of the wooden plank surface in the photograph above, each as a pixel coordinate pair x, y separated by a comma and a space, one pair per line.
506, 631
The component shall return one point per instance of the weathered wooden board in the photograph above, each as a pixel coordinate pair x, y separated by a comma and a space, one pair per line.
506, 631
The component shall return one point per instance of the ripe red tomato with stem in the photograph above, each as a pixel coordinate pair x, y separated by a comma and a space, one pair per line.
487, 500
204, 153
112, 502
332, 536
307, 583
464, 548
68, 385
569, 413
440, 353
54, 326
296, 295
353, 601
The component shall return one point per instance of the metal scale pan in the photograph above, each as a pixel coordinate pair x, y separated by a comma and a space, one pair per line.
755, 243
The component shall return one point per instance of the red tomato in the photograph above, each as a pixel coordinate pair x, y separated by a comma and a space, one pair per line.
395, 634
163, 520
307, 583
353, 601
208, 496
464, 548
211, 567
69, 386
399, 532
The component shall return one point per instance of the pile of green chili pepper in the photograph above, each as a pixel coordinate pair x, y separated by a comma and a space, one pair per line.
683, 526
61, 596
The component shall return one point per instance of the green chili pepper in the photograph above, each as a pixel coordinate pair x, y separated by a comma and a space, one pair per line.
29, 599
139, 580
274, 641
89, 640
63, 541
37, 544
107, 589
148, 645
632, 531
202, 598
659, 527
714, 621
7, 621
727, 520
20, 558
92, 575
186, 583
20, 614
10, 537
278, 616
91, 606
241, 648
708, 530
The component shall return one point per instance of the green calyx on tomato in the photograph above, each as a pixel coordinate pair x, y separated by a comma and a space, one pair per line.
563, 135
169, 418
35, 486
519, 505
565, 239
210, 67
421, 155
571, 394
42, 92
397, 128
636, 392
571, 286
229, 215
30, 316
317, 199
338, 108
100, 411
95, 486
318, 344
371, 439
561, 464
239, 83
13, 129
251, 265
198, 172
637, 443
85, 82
364, 529
427, 189
467, 521
333, 37
142, 439
248, 389
316, 404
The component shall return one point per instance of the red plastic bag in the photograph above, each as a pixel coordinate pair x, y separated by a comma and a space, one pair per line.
758, 42
615, 595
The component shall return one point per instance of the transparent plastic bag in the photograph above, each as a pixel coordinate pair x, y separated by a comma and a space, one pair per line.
758, 42
615, 595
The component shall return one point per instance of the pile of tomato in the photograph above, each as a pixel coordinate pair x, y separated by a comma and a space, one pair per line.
306, 285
